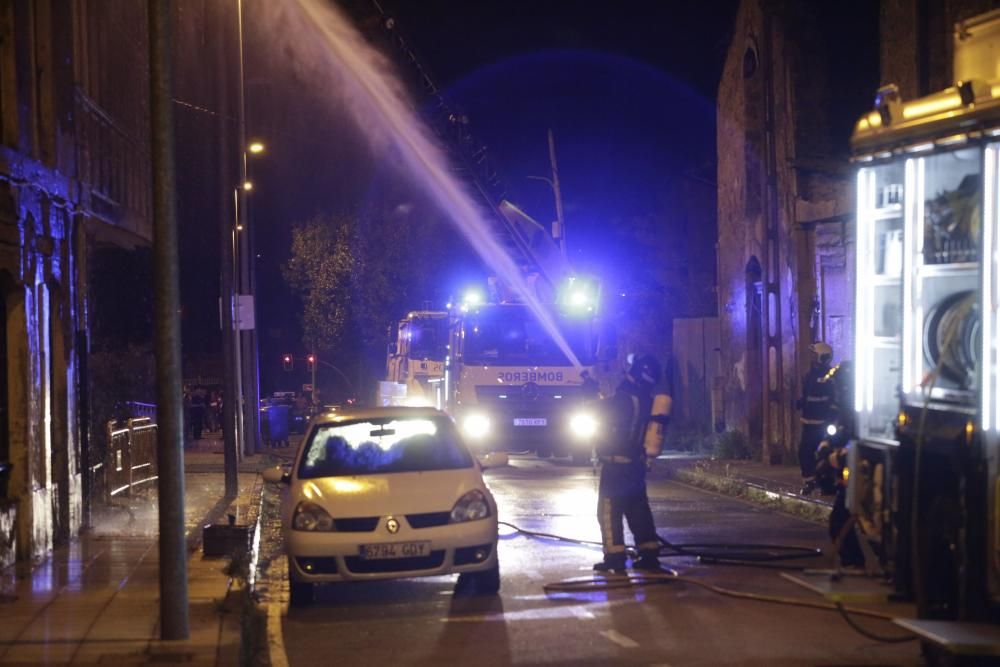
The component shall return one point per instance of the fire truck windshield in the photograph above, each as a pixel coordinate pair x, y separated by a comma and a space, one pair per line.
428, 338
510, 336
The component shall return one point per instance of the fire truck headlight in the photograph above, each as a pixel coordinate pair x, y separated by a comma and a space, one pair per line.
583, 425
476, 426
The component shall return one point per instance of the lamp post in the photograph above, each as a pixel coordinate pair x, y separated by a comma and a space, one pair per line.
317, 360
249, 388
559, 229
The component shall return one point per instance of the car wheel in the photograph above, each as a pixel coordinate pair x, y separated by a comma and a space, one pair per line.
543, 451
300, 593
581, 458
486, 582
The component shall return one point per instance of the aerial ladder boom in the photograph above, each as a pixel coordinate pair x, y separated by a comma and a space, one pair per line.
517, 231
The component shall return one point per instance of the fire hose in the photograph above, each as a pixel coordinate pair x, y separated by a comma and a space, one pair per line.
753, 555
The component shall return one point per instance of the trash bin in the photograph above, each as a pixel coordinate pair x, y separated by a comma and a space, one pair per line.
274, 423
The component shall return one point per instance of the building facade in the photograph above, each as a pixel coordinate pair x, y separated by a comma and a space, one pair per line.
73, 173
784, 219
786, 185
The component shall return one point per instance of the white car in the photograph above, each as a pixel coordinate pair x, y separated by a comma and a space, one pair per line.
384, 493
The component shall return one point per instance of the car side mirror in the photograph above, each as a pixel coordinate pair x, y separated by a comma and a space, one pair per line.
276, 475
494, 460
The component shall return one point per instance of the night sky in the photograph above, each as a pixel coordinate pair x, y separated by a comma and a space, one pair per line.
628, 90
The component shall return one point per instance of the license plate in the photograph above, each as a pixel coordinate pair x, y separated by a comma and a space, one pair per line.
395, 550
533, 421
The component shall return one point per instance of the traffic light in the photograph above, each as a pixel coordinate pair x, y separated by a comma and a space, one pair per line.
312, 361
287, 362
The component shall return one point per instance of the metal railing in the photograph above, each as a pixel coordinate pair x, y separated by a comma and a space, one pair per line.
137, 409
131, 459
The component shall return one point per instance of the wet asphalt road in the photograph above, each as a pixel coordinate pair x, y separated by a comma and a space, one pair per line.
420, 622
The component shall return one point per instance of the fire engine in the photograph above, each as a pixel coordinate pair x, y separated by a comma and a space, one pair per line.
922, 471
509, 384
416, 360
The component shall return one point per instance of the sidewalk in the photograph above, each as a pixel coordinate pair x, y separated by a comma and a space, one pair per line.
96, 600
774, 486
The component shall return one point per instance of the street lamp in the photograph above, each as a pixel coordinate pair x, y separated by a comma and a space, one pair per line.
246, 339
559, 228
240, 369
314, 362
246, 275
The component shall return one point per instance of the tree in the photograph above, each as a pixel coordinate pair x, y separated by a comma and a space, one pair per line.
401, 256
358, 274
319, 272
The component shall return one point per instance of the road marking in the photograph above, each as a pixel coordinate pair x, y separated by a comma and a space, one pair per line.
620, 639
582, 613
275, 640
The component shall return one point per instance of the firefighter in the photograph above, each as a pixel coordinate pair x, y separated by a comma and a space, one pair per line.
590, 389
829, 454
831, 460
818, 406
627, 415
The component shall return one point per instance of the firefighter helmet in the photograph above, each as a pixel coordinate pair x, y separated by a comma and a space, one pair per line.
823, 352
646, 370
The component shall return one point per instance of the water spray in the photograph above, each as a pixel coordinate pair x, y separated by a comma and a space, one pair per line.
378, 99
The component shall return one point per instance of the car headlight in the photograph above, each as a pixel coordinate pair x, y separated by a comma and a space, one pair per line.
476, 426
311, 517
583, 425
470, 507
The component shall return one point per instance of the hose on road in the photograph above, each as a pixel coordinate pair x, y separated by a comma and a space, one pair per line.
721, 553
750, 554
669, 576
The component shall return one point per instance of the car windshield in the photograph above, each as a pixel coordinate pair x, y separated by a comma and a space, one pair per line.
383, 445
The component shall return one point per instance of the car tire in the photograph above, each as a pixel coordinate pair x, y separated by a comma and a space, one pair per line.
543, 451
486, 582
581, 458
300, 593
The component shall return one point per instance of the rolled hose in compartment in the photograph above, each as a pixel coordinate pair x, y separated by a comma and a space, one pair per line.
951, 334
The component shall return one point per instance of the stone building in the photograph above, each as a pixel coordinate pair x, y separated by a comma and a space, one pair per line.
73, 173
784, 205
785, 198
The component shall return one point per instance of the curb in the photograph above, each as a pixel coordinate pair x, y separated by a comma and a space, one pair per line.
266, 596
817, 511
252, 620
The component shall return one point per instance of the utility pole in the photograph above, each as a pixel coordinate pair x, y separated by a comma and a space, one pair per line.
561, 223
249, 375
315, 362
227, 240
170, 414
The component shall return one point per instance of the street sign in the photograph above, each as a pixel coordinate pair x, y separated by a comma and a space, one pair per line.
244, 311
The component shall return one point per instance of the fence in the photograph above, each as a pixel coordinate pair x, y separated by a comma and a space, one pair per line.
130, 461
137, 409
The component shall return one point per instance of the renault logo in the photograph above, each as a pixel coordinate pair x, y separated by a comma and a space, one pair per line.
392, 525
530, 391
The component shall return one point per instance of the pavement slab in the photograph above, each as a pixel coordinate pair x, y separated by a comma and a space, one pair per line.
95, 601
